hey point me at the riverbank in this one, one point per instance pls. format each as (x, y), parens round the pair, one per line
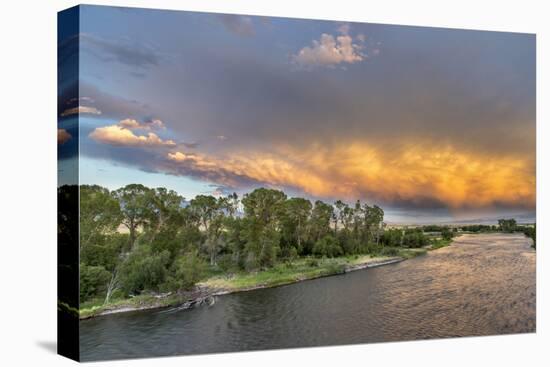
(282, 274)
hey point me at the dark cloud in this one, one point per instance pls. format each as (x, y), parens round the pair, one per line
(116, 107)
(418, 203)
(124, 52)
(439, 119)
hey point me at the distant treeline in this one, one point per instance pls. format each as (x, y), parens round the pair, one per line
(504, 225)
(138, 239)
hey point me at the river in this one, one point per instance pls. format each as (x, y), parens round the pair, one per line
(480, 285)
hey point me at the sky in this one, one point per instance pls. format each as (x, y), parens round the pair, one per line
(432, 124)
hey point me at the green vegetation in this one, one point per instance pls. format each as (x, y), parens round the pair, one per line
(479, 228)
(137, 242)
(530, 232)
(507, 225)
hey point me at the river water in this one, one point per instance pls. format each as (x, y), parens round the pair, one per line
(480, 285)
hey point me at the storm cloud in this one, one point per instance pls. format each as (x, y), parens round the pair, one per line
(412, 118)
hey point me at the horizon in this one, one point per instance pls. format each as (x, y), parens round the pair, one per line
(433, 125)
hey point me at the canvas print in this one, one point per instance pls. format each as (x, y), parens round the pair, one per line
(233, 183)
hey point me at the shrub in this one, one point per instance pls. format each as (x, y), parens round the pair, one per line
(188, 270)
(144, 270)
(93, 281)
(446, 233)
(392, 237)
(327, 246)
(414, 239)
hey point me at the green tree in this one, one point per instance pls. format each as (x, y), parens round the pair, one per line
(294, 224)
(321, 216)
(136, 204)
(204, 206)
(339, 207)
(374, 216)
(99, 214)
(446, 233)
(262, 208)
(507, 225)
(165, 211)
(212, 213)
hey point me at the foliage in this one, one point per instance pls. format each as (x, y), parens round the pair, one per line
(414, 238)
(478, 228)
(187, 270)
(327, 246)
(392, 237)
(140, 240)
(99, 214)
(531, 232)
(507, 225)
(93, 281)
(446, 233)
(144, 270)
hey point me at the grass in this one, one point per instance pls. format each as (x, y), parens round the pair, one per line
(439, 243)
(301, 269)
(409, 253)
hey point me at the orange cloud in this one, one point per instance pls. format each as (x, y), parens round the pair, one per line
(412, 175)
(121, 134)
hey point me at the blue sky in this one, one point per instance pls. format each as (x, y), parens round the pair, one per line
(429, 123)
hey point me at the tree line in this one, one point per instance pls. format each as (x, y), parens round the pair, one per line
(138, 239)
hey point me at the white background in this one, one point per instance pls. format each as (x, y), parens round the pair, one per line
(28, 182)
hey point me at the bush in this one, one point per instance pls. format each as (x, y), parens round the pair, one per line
(144, 270)
(188, 270)
(93, 281)
(446, 233)
(327, 246)
(392, 237)
(414, 239)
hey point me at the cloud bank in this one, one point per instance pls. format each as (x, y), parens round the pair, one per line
(430, 177)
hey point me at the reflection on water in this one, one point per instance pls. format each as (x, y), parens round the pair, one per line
(481, 285)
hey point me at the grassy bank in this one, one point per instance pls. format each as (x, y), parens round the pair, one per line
(298, 270)
(302, 269)
(281, 274)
